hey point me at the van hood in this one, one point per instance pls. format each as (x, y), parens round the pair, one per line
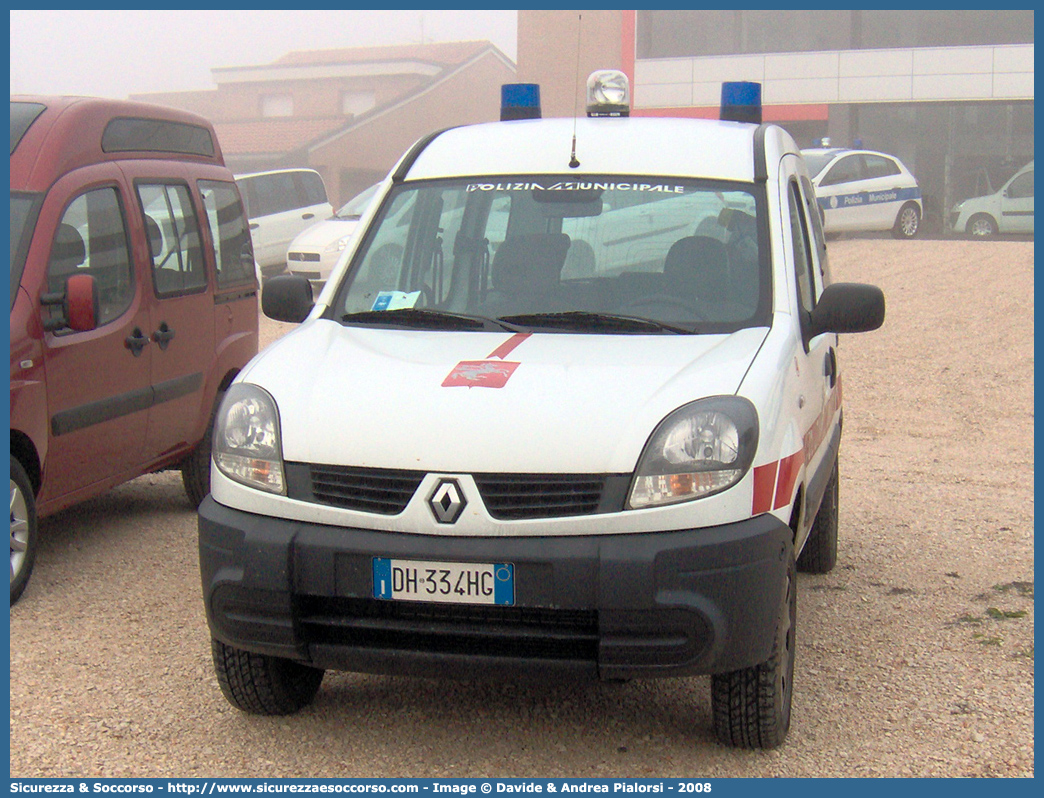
(482, 402)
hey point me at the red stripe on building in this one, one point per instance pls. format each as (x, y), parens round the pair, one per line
(764, 487)
(628, 31)
(769, 113)
(788, 471)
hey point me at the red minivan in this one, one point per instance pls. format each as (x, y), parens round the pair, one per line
(133, 301)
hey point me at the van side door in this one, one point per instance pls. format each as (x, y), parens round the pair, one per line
(181, 327)
(98, 381)
(818, 400)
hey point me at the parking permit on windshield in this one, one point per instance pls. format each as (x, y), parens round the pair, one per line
(395, 300)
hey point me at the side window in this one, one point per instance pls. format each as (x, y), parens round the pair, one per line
(844, 170)
(276, 193)
(92, 239)
(311, 188)
(233, 252)
(248, 192)
(174, 242)
(815, 216)
(1021, 187)
(802, 254)
(876, 166)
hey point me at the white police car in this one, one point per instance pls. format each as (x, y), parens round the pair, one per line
(586, 423)
(865, 191)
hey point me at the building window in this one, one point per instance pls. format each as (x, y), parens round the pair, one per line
(277, 105)
(354, 103)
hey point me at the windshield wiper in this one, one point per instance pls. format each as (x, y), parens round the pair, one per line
(428, 319)
(579, 320)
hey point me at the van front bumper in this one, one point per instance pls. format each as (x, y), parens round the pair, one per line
(614, 606)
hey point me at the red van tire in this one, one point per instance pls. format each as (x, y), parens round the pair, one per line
(23, 529)
(195, 469)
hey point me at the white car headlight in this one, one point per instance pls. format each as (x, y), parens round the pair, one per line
(700, 449)
(339, 244)
(246, 439)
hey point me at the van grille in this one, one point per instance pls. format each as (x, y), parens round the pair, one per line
(516, 496)
(517, 632)
(507, 497)
(368, 490)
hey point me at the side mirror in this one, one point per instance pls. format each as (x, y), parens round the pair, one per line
(78, 304)
(287, 297)
(81, 302)
(848, 308)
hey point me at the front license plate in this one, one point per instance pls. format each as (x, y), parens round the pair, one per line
(444, 582)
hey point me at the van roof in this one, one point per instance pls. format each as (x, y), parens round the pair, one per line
(604, 146)
(72, 132)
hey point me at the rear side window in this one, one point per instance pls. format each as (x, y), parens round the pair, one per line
(92, 239)
(233, 251)
(876, 166)
(174, 243)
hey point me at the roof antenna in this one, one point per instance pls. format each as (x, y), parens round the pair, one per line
(573, 162)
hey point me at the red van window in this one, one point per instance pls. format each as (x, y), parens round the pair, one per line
(173, 233)
(92, 239)
(233, 250)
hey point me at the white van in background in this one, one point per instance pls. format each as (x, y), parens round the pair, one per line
(315, 251)
(1010, 210)
(280, 204)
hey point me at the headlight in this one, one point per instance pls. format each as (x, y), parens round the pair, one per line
(339, 244)
(246, 439)
(700, 449)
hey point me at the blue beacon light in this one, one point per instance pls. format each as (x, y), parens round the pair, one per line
(741, 102)
(519, 101)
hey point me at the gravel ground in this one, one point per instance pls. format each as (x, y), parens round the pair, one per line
(915, 656)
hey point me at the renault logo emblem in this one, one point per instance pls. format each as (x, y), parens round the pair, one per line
(447, 501)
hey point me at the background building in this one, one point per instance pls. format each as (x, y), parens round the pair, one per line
(347, 113)
(949, 92)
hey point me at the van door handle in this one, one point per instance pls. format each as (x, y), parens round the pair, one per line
(308, 216)
(136, 341)
(830, 367)
(163, 335)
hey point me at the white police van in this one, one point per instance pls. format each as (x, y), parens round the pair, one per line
(583, 420)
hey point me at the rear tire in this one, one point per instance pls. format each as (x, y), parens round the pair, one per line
(907, 221)
(23, 529)
(820, 553)
(751, 706)
(263, 685)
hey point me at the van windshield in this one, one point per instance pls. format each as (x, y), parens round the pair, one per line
(550, 252)
(23, 218)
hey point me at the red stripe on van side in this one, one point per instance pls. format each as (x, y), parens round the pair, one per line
(788, 471)
(764, 487)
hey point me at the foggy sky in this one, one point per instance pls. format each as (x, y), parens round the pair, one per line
(118, 53)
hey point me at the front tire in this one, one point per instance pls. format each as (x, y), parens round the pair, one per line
(263, 685)
(751, 706)
(195, 469)
(23, 529)
(981, 226)
(819, 556)
(907, 221)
